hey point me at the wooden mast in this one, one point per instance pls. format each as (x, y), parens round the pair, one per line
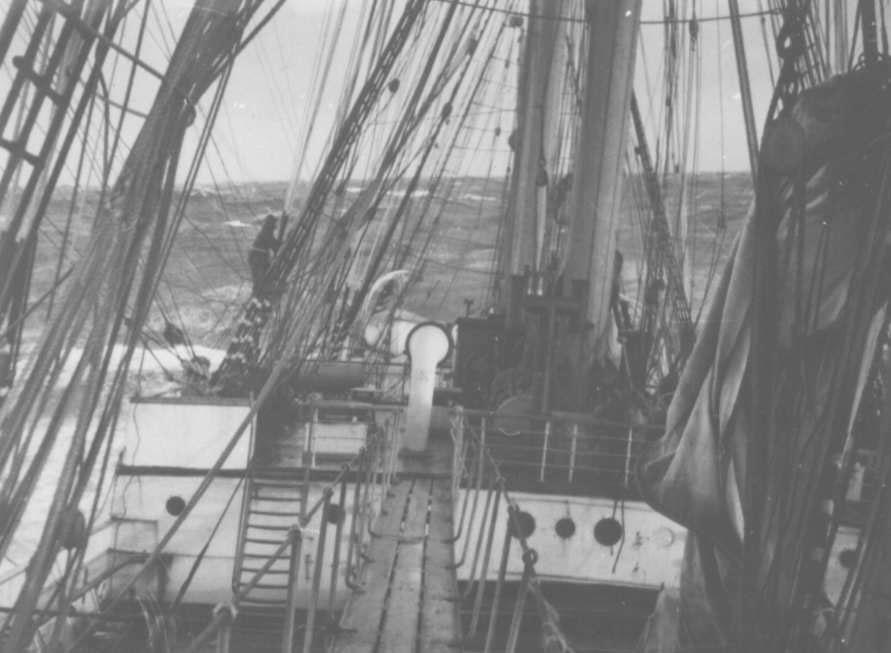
(520, 240)
(745, 88)
(596, 193)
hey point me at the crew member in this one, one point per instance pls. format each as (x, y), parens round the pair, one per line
(261, 254)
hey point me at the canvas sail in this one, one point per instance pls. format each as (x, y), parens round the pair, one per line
(821, 214)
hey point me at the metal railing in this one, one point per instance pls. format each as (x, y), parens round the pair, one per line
(562, 452)
(369, 473)
(481, 468)
(475, 472)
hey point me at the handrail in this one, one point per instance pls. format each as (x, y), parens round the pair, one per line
(562, 456)
(553, 637)
(224, 613)
(560, 416)
(373, 463)
(370, 465)
(343, 404)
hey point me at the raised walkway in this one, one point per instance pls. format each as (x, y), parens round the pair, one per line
(406, 600)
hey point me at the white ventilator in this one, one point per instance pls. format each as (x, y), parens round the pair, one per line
(428, 344)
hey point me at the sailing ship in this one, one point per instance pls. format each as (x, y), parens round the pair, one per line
(260, 501)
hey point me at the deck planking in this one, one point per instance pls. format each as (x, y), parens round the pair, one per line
(439, 610)
(399, 628)
(363, 612)
(407, 598)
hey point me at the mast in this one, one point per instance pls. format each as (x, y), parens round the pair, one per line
(521, 242)
(870, 33)
(596, 195)
(745, 89)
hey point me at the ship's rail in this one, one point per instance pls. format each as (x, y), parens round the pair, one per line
(470, 471)
(368, 474)
(561, 452)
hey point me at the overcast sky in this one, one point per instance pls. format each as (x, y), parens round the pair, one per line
(267, 103)
(269, 90)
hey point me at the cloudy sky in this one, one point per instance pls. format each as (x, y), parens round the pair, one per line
(270, 88)
(267, 106)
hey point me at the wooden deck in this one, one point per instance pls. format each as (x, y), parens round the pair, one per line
(407, 599)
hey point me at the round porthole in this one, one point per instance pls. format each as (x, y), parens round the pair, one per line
(847, 558)
(565, 528)
(524, 523)
(608, 531)
(175, 506)
(334, 513)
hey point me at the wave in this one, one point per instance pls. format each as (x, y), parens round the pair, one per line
(478, 198)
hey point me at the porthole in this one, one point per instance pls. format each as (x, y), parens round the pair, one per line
(175, 506)
(608, 531)
(524, 523)
(565, 528)
(334, 513)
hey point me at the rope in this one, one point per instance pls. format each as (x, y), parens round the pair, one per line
(553, 637)
(241, 354)
(106, 279)
(184, 587)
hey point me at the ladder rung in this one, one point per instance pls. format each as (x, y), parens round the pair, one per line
(265, 586)
(271, 527)
(258, 540)
(277, 482)
(257, 611)
(272, 513)
(264, 601)
(259, 619)
(258, 497)
(254, 570)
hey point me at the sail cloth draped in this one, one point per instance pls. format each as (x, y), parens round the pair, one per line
(820, 212)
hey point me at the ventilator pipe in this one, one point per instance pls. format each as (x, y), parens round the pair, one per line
(427, 345)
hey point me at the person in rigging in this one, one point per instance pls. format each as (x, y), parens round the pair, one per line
(262, 251)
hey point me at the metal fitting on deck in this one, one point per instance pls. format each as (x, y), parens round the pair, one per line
(230, 608)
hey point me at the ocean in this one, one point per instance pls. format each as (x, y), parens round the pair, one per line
(207, 279)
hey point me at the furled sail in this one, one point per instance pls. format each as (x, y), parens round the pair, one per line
(814, 240)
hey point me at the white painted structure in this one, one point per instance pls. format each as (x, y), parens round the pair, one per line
(140, 509)
(428, 345)
(188, 433)
(648, 556)
(169, 443)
